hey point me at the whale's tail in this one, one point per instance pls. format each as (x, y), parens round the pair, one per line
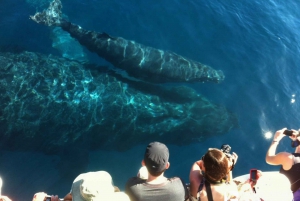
(52, 16)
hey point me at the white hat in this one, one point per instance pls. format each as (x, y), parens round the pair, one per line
(95, 186)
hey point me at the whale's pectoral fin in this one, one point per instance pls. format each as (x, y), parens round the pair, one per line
(52, 16)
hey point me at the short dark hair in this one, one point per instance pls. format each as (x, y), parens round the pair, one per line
(216, 165)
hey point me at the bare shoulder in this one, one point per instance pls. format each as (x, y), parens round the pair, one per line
(282, 158)
(285, 159)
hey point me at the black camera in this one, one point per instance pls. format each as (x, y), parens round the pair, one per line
(225, 148)
(290, 133)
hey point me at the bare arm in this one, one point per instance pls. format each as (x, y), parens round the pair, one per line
(195, 178)
(68, 197)
(232, 162)
(282, 158)
(4, 198)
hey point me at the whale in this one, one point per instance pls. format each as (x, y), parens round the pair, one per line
(139, 61)
(49, 102)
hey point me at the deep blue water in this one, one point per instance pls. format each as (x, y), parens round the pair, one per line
(255, 43)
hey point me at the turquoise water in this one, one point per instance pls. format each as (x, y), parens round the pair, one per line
(255, 44)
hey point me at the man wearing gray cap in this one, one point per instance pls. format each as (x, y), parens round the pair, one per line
(156, 186)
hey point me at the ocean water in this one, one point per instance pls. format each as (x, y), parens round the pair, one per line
(255, 43)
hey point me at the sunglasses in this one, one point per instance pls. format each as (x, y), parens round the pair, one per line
(295, 143)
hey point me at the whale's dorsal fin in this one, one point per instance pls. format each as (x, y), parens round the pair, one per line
(106, 35)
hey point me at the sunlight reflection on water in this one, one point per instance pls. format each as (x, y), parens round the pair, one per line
(268, 135)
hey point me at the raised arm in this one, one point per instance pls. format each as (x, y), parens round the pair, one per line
(4, 198)
(68, 197)
(283, 158)
(232, 162)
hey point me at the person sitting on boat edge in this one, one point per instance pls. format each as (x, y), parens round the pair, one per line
(156, 186)
(211, 177)
(290, 162)
(89, 186)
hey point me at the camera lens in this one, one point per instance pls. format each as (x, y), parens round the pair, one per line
(226, 148)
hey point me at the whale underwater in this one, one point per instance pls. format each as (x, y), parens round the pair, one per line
(49, 102)
(139, 61)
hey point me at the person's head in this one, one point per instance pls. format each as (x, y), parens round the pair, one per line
(216, 165)
(156, 158)
(95, 186)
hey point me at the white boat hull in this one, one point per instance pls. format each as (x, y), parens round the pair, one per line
(271, 186)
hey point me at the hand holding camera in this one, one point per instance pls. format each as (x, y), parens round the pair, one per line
(225, 148)
(291, 133)
(284, 132)
(254, 176)
(41, 196)
(52, 198)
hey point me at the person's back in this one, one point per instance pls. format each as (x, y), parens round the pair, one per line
(211, 178)
(293, 173)
(89, 186)
(289, 161)
(220, 192)
(156, 186)
(171, 189)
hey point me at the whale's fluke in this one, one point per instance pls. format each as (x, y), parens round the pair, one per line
(52, 16)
